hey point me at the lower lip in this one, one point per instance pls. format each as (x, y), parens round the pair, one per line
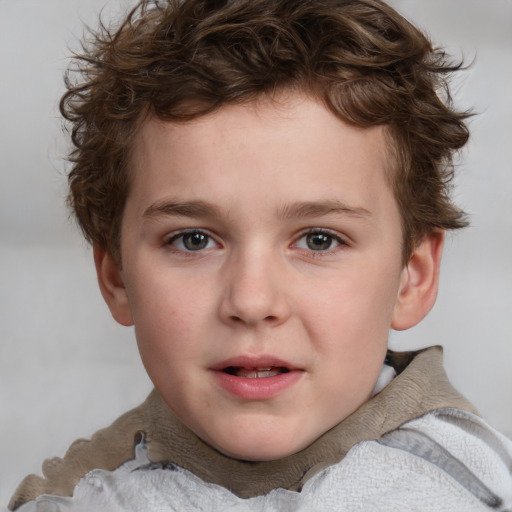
(258, 388)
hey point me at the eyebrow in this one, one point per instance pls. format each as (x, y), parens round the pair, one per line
(193, 209)
(321, 208)
(307, 209)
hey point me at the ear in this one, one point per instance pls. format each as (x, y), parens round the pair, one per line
(419, 282)
(110, 280)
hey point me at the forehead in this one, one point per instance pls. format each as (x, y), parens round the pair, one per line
(292, 146)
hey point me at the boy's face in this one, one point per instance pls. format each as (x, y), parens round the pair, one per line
(261, 250)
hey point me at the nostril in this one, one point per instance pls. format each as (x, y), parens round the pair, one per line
(269, 318)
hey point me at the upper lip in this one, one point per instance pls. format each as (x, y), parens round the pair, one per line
(254, 362)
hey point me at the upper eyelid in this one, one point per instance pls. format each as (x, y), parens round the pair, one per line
(180, 232)
(331, 232)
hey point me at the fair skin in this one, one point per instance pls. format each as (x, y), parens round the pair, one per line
(262, 269)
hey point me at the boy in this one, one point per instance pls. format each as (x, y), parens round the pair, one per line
(265, 186)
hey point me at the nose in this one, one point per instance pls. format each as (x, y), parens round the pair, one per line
(254, 291)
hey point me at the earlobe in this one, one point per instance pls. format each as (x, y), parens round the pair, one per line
(112, 287)
(419, 282)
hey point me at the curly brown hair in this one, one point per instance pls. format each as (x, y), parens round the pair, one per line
(179, 59)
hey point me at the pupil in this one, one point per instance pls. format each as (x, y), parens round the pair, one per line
(318, 241)
(195, 241)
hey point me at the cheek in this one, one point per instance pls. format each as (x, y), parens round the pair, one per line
(352, 309)
(171, 314)
(156, 292)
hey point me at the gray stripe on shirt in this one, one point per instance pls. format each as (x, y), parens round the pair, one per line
(460, 419)
(419, 444)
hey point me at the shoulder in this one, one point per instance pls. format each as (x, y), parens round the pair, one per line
(446, 460)
(107, 449)
(452, 451)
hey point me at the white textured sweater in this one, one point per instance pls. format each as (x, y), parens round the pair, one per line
(447, 460)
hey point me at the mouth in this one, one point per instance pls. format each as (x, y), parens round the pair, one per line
(255, 373)
(256, 378)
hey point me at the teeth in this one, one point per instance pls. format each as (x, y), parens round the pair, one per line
(255, 373)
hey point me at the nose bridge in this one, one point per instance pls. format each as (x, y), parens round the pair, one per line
(254, 288)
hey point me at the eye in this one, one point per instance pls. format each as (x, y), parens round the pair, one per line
(192, 241)
(319, 240)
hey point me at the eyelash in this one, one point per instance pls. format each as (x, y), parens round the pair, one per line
(333, 236)
(170, 241)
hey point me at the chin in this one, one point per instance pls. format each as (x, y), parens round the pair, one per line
(253, 450)
(258, 437)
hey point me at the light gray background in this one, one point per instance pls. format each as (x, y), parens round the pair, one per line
(66, 369)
